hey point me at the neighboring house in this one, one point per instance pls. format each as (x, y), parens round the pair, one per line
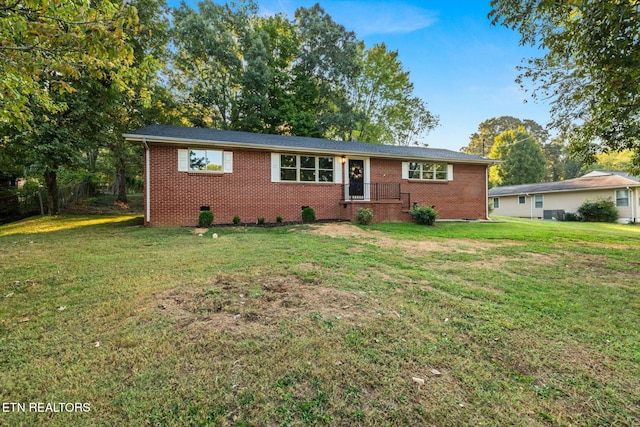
(551, 200)
(258, 175)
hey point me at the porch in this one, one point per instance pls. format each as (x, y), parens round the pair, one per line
(385, 199)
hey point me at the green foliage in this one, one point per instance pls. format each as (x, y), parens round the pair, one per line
(68, 95)
(236, 219)
(560, 165)
(424, 215)
(307, 76)
(85, 131)
(481, 142)
(589, 70)
(278, 219)
(260, 220)
(383, 95)
(620, 161)
(522, 156)
(205, 219)
(600, 210)
(571, 216)
(308, 214)
(209, 61)
(327, 65)
(364, 216)
(46, 46)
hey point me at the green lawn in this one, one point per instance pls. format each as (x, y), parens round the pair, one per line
(510, 323)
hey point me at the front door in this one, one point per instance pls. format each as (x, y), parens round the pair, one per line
(356, 179)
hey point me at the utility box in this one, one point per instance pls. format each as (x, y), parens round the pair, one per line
(554, 214)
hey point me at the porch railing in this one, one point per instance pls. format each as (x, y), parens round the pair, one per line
(373, 191)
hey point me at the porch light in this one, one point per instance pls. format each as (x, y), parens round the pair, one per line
(344, 160)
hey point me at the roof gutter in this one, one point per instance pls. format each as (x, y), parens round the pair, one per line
(527, 193)
(267, 147)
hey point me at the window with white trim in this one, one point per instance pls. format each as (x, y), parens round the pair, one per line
(496, 202)
(622, 198)
(205, 160)
(297, 168)
(288, 168)
(539, 201)
(522, 200)
(428, 171)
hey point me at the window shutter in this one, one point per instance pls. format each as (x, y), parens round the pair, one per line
(227, 162)
(337, 170)
(405, 170)
(450, 172)
(275, 167)
(183, 160)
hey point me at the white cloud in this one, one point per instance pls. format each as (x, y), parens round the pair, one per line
(380, 17)
(363, 17)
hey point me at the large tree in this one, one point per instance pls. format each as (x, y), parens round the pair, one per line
(480, 142)
(327, 65)
(65, 39)
(383, 95)
(58, 140)
(590, 69)
(208, 60)
(523, 160)
(560, 165)
(307, 76)
(146, 100)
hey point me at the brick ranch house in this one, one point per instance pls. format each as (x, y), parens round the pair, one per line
(251, 175)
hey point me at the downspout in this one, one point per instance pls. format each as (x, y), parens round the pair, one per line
(147, 166)
(486, 192)
(633, 204)
(530, 205)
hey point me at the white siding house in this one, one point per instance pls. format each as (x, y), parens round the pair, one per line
(550, 200)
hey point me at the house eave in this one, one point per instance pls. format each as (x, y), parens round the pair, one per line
(570, 190)
(137, 138)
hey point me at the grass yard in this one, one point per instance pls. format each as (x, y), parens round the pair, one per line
(511, 323)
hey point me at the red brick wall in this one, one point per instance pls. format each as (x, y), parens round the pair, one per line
(383, 211)
(462, 198)
(176, 197)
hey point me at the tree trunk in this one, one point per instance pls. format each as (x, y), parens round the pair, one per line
(121, 182)
(51, 181)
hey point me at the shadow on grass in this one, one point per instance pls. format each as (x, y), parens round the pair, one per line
(47, 224)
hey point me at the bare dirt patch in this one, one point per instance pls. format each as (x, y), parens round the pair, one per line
(237, 303)
(378, 238)
(343, 230)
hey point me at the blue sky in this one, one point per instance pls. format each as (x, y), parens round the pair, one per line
(461, 65)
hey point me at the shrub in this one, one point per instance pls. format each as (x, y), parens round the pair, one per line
(261, 220)
(205, 219)
(364, 216)
(236, 220)
(308, 214)
(424, 215)
(600, 210)
(278, 219)
(570, 216)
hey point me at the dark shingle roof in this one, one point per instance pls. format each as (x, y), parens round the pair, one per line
(179, 134)
(587, 182)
